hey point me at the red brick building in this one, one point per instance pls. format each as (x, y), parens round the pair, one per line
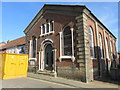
(71, 42)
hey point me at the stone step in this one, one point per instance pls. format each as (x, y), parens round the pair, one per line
(46, 72)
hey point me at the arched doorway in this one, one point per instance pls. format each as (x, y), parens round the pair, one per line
(48, 57)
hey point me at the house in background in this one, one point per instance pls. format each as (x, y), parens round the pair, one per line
(71, 42)
(2, 50)
(15, 46)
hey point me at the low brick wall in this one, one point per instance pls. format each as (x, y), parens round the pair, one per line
(70, 73)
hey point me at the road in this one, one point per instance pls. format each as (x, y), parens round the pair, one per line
(43, 81)
(31, 83)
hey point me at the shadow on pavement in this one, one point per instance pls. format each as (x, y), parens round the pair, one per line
(108, 80)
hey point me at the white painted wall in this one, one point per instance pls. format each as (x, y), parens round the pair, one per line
(16, 49)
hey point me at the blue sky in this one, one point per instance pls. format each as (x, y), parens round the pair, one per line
(17, 15)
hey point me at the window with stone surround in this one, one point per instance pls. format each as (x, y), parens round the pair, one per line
(51, 25)
(111, 49)
(91, 41)
(67, 42)
(43, 29)
(33, 47)
(101, 46)
(47, 28)
(106, 44)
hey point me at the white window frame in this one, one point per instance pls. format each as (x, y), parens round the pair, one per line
(92, 36)
(53, 27)
(111, 49)
(41, 27)
(35, 46)
(48, 26)
(63, 45)
(45, 28)
(49, 32)
(106, 45)
(101, 45)
(62, 56)
(42, 30)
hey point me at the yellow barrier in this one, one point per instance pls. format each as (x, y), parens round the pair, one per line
(13, 65)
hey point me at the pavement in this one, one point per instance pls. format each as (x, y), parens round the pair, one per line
(44, 81)
(72, 83)
(31, 83)
(0, 84)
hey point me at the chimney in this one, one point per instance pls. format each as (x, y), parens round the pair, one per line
(8, 41)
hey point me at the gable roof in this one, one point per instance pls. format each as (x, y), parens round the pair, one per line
(58, 7)
(16, 42)
(53, 7)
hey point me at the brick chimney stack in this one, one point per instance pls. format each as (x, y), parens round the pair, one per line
(8, 41)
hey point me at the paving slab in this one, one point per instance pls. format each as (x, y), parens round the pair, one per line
(74, 83)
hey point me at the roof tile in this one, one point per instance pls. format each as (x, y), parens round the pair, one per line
(16, 42)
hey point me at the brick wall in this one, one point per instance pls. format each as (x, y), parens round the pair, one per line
(60, 22)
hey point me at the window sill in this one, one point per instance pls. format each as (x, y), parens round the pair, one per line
(102, 58)
(31, 59)
(52, 32)
(42, 35)
(66, 57)
(94, 58)
(47, 33)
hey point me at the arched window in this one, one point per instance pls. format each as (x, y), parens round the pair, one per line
(67, 42)
(106, 44)
(43, 29)
(33, 47)
(91, 41)
(47, 26)
(101, 43)
(111, 51)
(51, 25)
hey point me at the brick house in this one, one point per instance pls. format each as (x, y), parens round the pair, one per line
(14, 46)
(71, 42)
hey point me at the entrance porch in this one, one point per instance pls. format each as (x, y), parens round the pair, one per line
(47, 58)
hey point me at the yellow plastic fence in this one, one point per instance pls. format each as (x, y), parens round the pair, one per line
(13, 65)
